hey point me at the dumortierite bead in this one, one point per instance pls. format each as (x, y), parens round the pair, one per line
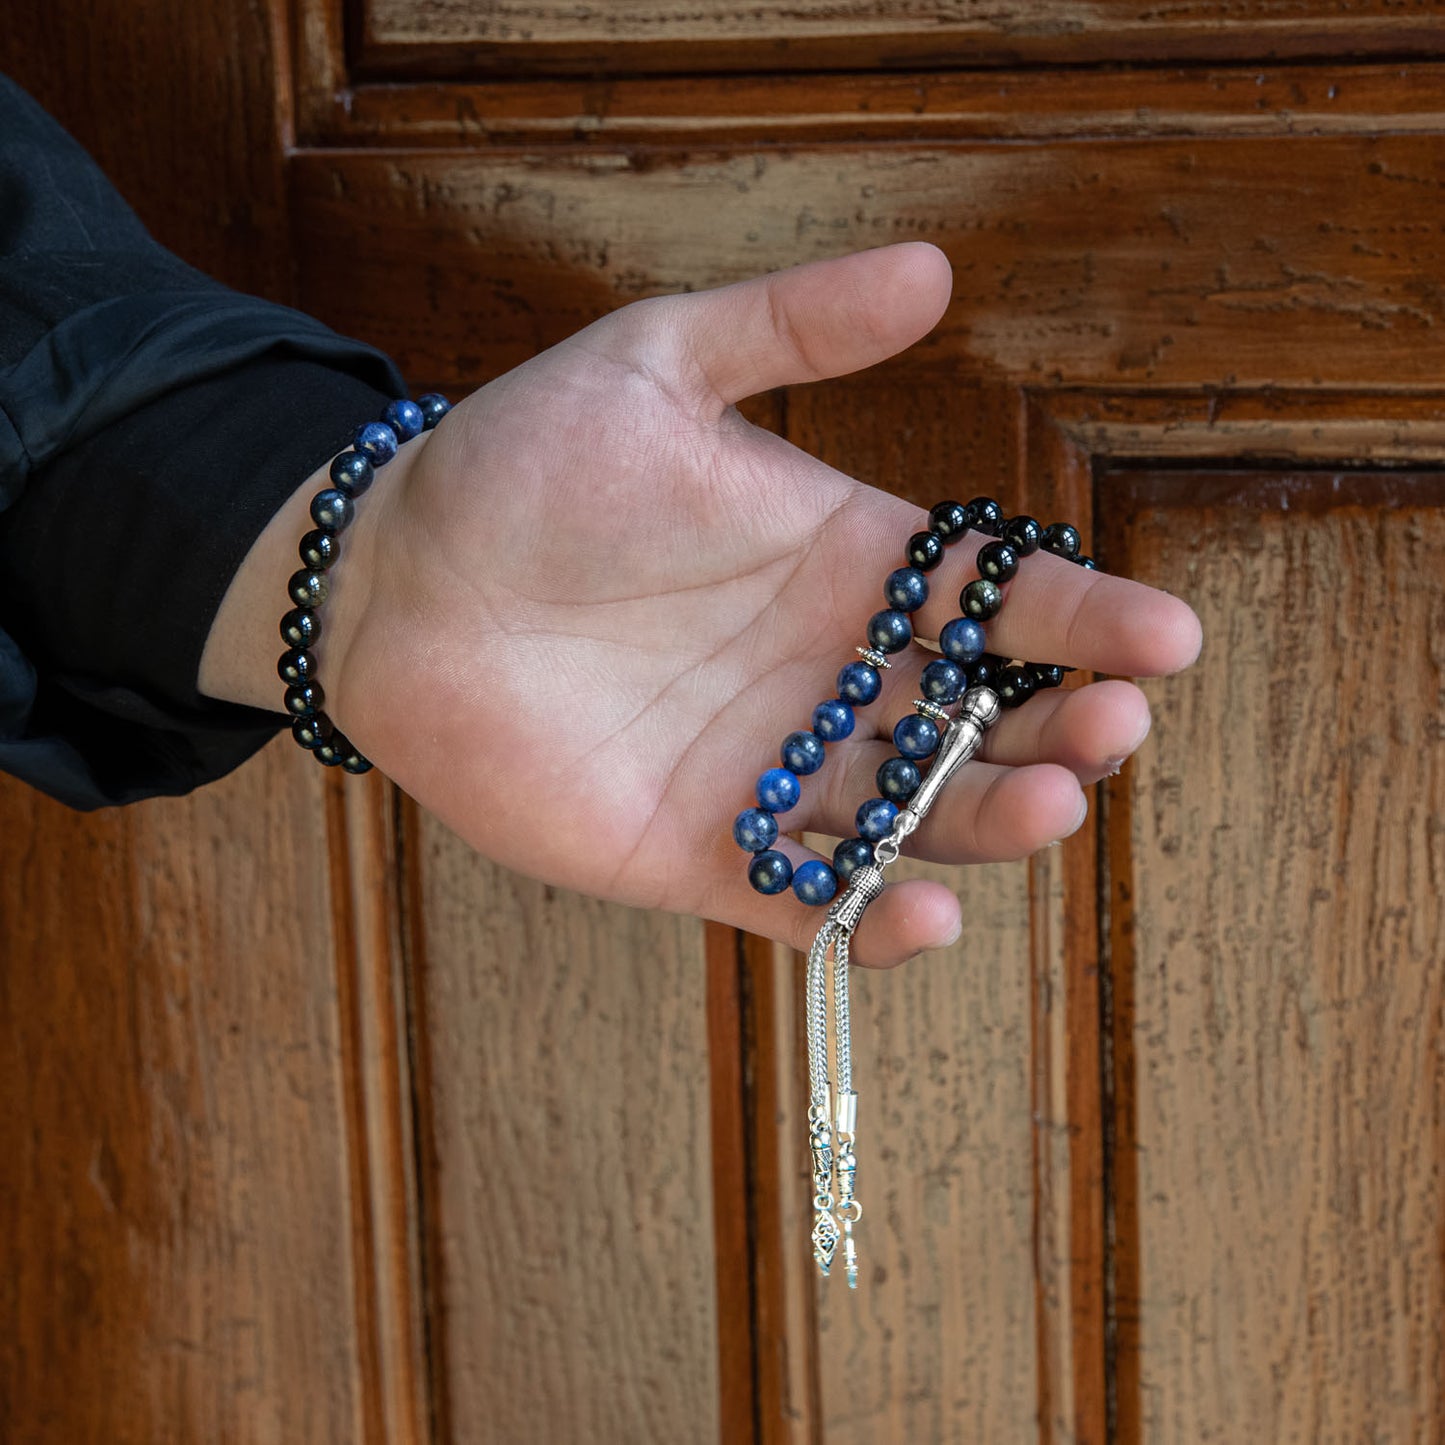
(889, 630)
(376, 442)
(925, 551)
(981, 599)
(802, 753)
(815, 882)
(755, 830)
(434, 407)
(779, 790)
(874, 820)
(833, 720)
(332, 511)
(962, 640)
(985, 515)
(295, 666)
(1022, 533)
(898, 780)
(906, 589)
(305, 699)
(915, 736)
(998, 562)
(319, 550)
(351, 473)
(1015, 686)
(405, 419)
(850, 855)
(308, 588)
(1046, 674)
(942, 681)
(312, 731)
(1060, 539)
(1088, 563)
(770, 872)
(859, 683)
(948, 520)
(300, 628)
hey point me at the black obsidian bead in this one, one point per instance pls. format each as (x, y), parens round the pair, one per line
(1046, 674)
(319, 550)
(1060, 539)
(300, 628)
(925, 551)
(898, 780)
(305, 699)
(1088, 563)
(296, 666)
(312, 731)
(850, 855)
(984, 672)
(1015, 686)
(981, 599)
(351, 473)
(353, 762)
(334, 751)
(986, 514)
(998, 562)
(308, 587)
(948, 520)
(434, 406)
(332, 511)
(1023, 534)
(889, 630)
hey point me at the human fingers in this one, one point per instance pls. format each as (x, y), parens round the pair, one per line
(823, 319)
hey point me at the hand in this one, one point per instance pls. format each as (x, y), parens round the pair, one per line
(576, 621)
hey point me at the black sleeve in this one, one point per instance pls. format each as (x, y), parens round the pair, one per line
(151, 423)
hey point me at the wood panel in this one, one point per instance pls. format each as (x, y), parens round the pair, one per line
(1159, 263)
(1277, 936)
(564, 1106)
(461, 37)
(178, 1252)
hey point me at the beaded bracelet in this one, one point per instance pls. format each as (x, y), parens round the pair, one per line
(987, 683)
(332, 510)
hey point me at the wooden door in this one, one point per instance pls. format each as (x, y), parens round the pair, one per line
(420, 1150)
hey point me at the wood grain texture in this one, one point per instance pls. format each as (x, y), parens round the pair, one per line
(176, 1251)
(1229, 263)
(871, 105)
(1276, 941)
(460, 37)
(564, 1117)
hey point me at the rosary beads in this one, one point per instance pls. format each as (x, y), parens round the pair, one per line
(982, 683)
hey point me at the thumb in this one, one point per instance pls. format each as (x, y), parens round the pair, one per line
(815, 321)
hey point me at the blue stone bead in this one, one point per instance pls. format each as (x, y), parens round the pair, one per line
(802, 753)
(351, 473)
(889, 630)
(779, 790)
(942, 681)
(850, 855)
(906, 589)
(833, 720)
(755, 829)
(770, 872)
(962, 640)
(875, 819)
(915, 736)
(898, 780)
(859, 683)
(405, 419)
(376, 442)
(815, 882)
(434, 406)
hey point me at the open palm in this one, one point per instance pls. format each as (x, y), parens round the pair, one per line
(605, 598)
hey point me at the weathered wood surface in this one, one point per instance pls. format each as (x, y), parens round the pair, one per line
(460, 37)
(564, 1107)
(1277, 964)
(1231, 263)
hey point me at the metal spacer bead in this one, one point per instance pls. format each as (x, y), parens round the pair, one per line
(871, 654)
(931, 710)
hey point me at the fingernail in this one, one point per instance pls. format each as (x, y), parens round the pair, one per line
(1083, 814)
(955, 935)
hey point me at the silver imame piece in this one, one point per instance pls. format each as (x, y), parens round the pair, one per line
(979, 712)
